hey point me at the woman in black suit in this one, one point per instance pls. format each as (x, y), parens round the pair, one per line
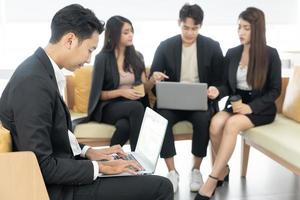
(254, 73)
(118, 67)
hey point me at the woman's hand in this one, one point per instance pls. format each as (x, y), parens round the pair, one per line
(131, 94)
(119, 166)
(212, 92)
(243, 109)
(158, 76)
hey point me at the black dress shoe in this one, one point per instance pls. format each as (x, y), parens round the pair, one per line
(226, 178)
(201, 197)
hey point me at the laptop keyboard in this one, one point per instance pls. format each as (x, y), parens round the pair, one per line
(128, 157)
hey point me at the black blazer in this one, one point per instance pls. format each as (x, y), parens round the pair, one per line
(263, 101)
(167, 59)
(105, 77)
(33, 110)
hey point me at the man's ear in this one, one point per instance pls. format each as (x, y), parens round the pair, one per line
(68, 40)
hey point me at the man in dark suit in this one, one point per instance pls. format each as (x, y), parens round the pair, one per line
(189, 57)
(32, 108)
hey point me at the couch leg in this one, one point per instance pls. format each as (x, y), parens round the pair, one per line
(244, 157)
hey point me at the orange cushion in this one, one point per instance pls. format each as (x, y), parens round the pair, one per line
(82, 84)
(5, 140)
(291, 104)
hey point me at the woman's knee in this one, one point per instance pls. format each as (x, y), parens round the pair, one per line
(136, 107)
(216, 125)
(232, 126)
(237, 123)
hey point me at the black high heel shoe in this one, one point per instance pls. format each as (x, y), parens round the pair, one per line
(201, 197)
(226, 178)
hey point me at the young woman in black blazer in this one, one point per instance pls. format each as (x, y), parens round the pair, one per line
(118, 67)
(254, 73)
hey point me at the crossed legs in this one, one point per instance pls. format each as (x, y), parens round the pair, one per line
(128, 117)
(224, 129)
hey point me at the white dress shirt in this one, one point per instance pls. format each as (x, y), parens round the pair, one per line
(241, 78)
(61, 82)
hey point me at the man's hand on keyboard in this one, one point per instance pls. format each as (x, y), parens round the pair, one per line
(116, 149)
(105, 154)
(119, 166)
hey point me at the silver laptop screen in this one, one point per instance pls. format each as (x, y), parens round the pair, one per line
(151, 136)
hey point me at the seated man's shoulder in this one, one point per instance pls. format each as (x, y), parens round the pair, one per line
(208, 41)
(28, 74)
(171, 41)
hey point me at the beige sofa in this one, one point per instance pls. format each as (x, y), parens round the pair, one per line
(94, 133)
(21, 177)
(279, 140)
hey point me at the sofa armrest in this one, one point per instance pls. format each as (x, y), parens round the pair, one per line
(280, 99)
(21, 177)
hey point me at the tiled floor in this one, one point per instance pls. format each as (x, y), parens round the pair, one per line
(266, 180)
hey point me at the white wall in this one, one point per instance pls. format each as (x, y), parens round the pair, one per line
(25, 25)
(216, 11)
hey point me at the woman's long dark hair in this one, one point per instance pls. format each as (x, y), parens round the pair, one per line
(133, 60)
(258, 58)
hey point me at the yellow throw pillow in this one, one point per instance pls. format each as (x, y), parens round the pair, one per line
(5, 140)
(291, 104)
(82, 84)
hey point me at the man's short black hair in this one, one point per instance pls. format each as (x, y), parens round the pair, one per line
(193, 11)
(76, 19)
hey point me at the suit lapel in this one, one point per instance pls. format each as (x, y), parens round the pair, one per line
(41, 54)
(66, 111)
(115, 71)
(177, 56)
(200, 59)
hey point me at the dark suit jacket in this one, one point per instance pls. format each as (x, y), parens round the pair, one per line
(105, 77)
(33, 110)
(263, 101)
(167, 59)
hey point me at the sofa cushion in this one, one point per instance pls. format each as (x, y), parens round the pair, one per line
(102, 130)
(94, 130)
(82, 84)
(5, 140)
(291, 104)
(76, 115)
(183, 127)
(280, 137)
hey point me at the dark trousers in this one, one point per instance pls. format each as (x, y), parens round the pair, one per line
(127, 116)
(126, 188)
(200, 121)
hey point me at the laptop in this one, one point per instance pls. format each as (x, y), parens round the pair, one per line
(149, 143)
(181, 95)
